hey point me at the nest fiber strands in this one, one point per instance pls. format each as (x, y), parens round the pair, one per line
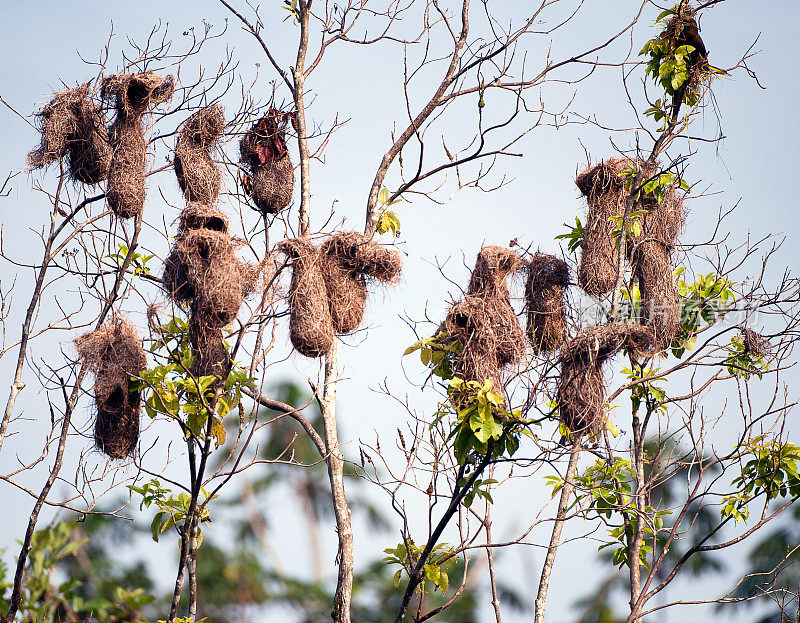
(548, 276)
(488, 282)
(198, 176)
(581, 387)
(72, 123)
(211, 357)
(203, 268)
(348, 259)
(263, 151)
(114, 354)
(133, 95)
(200, 216)
(310, 325)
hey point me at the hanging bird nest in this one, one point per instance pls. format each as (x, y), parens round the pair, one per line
(754, 342)
(114, 354)
(211, 357)
(660, 302)
(348, 260)
(548, 276)
(581, 387)
(200, 216)
(310, 325)
(488, 281)
(133, 95)
(71, 123)
(199, 178)
(202, 267)
(263, 153)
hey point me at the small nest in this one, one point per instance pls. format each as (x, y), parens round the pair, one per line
(72, 123)
(199, 178)
(581, 388)
(755, 343)
(310, 326)
(133, 95)
(349, 258)
(211, 357)
(114, 354)
(201, 216)
(263, 152)
(488, 281)
(548, 276)
(203, 268)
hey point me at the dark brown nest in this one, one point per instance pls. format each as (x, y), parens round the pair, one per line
(211, 357)
(200, 216)
(263, 152)
(198, 176)
(310, 325)
(581, 388)
(114, 354)
(754, 342)
(72, 123)
(488, 281)
(548, 276)
(203, 268)
(133, 95)
(349, 258)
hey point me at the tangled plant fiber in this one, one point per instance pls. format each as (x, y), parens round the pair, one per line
(263, 152)
(133, 95)
(114, 354)
(348, 260)
(71, 123)
(548, 276)
(581, 388)
(198, 176)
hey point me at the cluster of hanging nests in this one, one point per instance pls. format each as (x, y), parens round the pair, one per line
(73, 124)
(328, 291)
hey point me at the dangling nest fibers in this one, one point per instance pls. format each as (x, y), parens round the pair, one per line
(201, 216)
(548, 276)
(203, 268)
(349, 258)
(263, 152)
(211, 357)
(755, 343)
(581, 389)
(72, 123)
(133, 95)
(114, 354)
(310, 325)
(488, 281)
(198, 176)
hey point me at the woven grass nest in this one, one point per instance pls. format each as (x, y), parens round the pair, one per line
(198, 177)
(73, 124)
(483, 325)
(263, 153)
(133, 95)
(114, 354)
(548, 277)
(581, 388)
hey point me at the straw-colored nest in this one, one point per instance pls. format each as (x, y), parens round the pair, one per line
(310, 325)
(548, 276)
(200, 216)
(211, 357)
(198, 177)
(263, 152)
(114, 354)
(71, 123)
(581, 387)
(133, 95)
(348, 260)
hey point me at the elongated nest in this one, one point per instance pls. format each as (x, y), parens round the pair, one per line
(71, 123)
(548, 277)
(200, 216)
(581, 387)
(114, 354)
(310, 325)
(263, 152)
(348, 260)
(203, 268)
(660, 301)
(198, 176)
(133, 95)
(211, 357)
